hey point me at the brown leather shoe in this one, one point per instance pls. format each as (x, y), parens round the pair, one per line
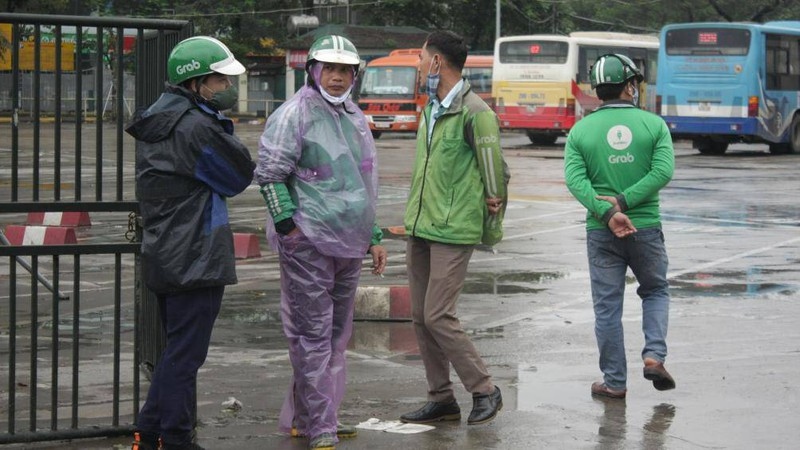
(602, 390)
(655, 372)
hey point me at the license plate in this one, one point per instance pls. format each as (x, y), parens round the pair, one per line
(704, 106)
(382, 125)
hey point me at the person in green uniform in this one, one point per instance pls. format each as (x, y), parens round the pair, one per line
(457, 200)
(616, 161)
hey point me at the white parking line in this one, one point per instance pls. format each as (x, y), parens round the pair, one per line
(731, 258)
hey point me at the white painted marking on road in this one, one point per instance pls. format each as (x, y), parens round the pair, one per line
(731, 258)
(550, 230)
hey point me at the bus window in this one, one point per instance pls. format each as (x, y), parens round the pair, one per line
(652, 67)
(395, 82)
(645, 60)
(783, 63)
(535, 52)
(480, 78)
(707, 41)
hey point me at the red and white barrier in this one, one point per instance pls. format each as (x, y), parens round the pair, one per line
(383, 303)
(246, 245)
(35, 235)
(60, 219)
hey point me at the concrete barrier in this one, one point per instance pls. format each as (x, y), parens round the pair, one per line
(246, 245)
(60, 219)
(36, 235)
(383, 303)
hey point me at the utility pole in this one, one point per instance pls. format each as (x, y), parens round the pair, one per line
(497, 20)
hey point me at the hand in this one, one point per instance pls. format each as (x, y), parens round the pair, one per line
(378, 259)
(493, 205)
(621, 225)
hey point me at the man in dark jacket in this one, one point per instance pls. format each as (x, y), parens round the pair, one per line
(187, 163)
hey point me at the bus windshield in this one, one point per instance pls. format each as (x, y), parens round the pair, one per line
(389, 82)
(708, 41)
(533, 52)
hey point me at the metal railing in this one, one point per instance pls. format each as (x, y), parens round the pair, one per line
(93, 344)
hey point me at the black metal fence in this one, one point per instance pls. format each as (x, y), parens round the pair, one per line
(76, 324)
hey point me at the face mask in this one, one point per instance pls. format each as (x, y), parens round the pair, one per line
(223, 100)
(433, 81)
(635, 95)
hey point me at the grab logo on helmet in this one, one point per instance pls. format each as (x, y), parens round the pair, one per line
(188, 67)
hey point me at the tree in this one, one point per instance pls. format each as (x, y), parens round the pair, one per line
(258, 26)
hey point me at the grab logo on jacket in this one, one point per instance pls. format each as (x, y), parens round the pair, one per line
(619, 137)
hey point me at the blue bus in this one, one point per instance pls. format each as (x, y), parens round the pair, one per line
(724, 82)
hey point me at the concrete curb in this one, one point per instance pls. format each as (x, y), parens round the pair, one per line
(383, 303)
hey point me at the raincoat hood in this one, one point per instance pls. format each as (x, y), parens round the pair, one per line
(157, 122)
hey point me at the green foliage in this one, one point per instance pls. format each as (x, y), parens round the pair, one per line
(52, 6)
(259, 26)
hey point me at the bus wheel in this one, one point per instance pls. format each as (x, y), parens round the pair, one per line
(793, 146)
(542, 138)
(710, 147)
(376, 134)
(794, 135)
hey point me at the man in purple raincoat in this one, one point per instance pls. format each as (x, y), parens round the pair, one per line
(317, 172)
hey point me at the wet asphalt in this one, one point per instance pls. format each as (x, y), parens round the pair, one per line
(731, 227)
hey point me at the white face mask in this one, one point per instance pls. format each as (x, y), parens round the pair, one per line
(335, 100)
(635, 94)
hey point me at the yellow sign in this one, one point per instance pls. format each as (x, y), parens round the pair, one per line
(27, 53)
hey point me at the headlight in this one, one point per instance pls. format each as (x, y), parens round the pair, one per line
(405, 118)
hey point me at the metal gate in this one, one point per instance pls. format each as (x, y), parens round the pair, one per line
(76, 323)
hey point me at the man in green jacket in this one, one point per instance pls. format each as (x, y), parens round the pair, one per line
(457, 200)
(616, 160)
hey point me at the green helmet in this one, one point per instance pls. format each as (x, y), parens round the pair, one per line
(201, 55)
(613, 69)
(333, 49)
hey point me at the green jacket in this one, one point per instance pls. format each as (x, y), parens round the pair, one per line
(455, 174)
(619, 151)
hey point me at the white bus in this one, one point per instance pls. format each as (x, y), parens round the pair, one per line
(540, 83)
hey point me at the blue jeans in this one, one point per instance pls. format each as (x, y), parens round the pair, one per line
(609, 259)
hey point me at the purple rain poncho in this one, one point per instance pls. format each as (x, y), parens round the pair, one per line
(325, 155)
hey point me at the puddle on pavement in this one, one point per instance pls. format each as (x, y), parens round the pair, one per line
(390, 338)
(731, 215)
(754, 282)
(508, 282)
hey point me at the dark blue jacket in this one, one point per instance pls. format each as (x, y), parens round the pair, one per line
(187, 163)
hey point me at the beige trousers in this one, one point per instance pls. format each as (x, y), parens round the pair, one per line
(436, 275)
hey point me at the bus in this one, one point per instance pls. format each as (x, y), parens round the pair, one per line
(541, 82)
(478, 71)
(726, 82)
(390, 97)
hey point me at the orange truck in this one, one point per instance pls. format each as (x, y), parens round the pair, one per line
(390, 97)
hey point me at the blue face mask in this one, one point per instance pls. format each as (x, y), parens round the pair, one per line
(433, 81)
(635, 94)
